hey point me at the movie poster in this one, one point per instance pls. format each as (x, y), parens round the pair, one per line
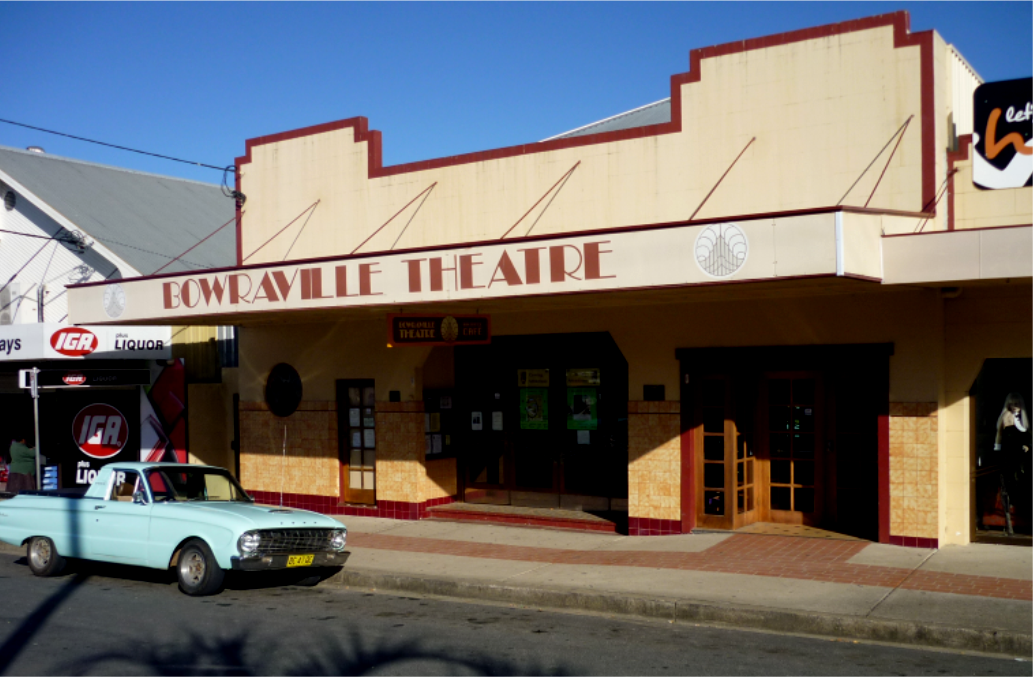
(534, 409)
(582, 410)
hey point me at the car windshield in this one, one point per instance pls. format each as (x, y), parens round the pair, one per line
(194, 484)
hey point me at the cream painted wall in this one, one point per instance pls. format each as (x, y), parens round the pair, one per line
(210, 424)
(975, 208)
(820, 111)
(323, 353)
(647, 335)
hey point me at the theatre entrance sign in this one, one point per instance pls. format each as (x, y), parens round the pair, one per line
(820, 244)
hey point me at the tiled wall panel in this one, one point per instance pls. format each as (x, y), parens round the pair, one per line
(654, 460)
(310, 463)
(914, 469)
(401, 474)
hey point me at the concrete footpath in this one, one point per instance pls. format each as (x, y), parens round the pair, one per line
(970, 598)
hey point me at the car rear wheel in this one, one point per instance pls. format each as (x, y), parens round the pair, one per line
(43, 557)
(198, 572)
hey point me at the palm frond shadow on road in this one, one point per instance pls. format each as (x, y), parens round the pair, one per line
(240, 654)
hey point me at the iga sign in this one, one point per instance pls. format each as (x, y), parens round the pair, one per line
(73, 341)
(100, 431)
(1002, 137)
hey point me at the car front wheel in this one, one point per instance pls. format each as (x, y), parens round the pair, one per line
(43, 557)
(198, 572)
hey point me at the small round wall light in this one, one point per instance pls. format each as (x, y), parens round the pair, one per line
(283, 390)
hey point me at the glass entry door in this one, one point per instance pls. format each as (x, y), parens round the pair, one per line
(794, 424)
(357, 440)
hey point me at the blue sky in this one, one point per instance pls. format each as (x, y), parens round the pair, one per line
(194, 80)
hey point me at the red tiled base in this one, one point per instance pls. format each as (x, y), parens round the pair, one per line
(646, 526)
(330, 505)
(914, 542)
(527, 521)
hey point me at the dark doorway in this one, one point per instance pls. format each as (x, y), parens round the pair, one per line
(541, 421)
(787, 435)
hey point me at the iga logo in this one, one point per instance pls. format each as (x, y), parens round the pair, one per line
(100, 430)
(73, 341)
(74, 378)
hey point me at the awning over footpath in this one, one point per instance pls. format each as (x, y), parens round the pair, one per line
(831, 243)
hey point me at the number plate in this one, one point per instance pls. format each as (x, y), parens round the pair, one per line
(300, 560)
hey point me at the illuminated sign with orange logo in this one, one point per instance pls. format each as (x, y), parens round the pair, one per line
(1003, 134)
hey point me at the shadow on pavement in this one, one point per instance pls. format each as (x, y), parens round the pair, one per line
(235, 580)
(22, 637)
(197, 654)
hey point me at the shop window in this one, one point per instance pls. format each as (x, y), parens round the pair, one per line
(1002, 448)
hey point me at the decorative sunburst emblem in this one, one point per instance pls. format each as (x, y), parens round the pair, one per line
(721, 249)
(449, 329)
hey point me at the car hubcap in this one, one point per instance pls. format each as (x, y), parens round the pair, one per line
(40, 553)
(193, 567)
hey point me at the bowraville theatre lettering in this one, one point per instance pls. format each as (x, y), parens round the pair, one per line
(510, 267)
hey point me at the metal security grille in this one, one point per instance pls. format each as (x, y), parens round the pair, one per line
(283, 541)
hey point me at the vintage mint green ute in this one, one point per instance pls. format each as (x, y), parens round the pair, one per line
(193, 518)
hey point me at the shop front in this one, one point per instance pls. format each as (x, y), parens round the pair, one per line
(101, 394)
(712, 323)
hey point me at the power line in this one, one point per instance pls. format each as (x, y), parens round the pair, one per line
(111, 145)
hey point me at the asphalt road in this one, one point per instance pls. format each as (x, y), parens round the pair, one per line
(103, 620)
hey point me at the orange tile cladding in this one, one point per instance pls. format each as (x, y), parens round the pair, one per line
(297, 454)
(914, 479)
(400, 454)
(654, 460)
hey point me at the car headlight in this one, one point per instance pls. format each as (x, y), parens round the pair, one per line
(338, 540)
(248, 543)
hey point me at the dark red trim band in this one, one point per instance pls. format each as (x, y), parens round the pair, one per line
(884, 476)
(945, 232)
(647, 526)
(330, 505)
(914, 542)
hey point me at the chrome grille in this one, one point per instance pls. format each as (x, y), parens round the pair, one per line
(284, 541)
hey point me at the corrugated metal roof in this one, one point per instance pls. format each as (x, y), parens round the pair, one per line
(650, 114)
(147, 219)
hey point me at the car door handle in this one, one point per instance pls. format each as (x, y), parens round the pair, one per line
(99, 507)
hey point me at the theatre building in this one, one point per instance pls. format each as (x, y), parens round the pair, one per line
(781, 296)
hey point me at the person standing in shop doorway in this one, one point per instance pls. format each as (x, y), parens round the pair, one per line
(23, 466)
(1013, 444)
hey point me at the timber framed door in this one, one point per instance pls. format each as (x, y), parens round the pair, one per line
(729, 492)
(792, 438)
(357, 440)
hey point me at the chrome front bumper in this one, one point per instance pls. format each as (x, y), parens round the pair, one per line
(272, 562)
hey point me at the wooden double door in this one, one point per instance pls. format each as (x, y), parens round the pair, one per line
(786, 434)
(761, 450)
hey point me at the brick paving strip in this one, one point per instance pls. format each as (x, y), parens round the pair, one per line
(775, 556)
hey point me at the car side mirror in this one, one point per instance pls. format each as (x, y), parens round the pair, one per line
(139, 498)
